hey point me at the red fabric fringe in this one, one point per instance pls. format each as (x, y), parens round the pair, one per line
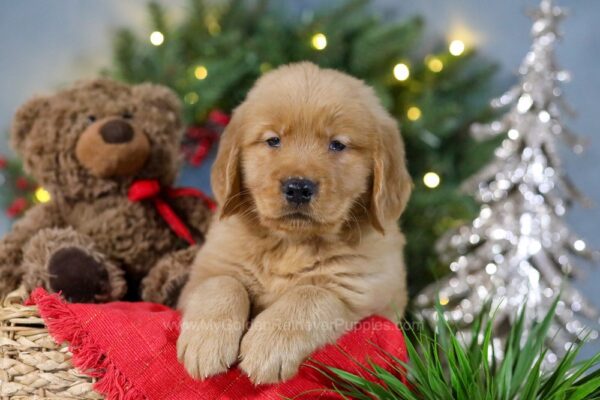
(64, 326)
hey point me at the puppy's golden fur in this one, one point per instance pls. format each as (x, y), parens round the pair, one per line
(303, 275)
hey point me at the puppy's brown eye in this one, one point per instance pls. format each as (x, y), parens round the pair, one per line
(127, 115)
(91, 118)
(274, 142)
(336, 145)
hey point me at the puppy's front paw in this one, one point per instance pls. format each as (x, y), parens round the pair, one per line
(207, 347)
(273, 353)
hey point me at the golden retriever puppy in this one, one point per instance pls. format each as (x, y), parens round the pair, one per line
(311, 180)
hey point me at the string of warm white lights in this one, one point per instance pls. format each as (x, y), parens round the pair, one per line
(318, 41)
(401, 72)
(518, 250)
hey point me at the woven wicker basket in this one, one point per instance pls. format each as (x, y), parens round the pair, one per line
(32, 366)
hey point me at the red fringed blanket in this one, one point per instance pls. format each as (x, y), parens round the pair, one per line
(130, 348)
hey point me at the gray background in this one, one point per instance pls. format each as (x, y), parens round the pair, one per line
(44, 45)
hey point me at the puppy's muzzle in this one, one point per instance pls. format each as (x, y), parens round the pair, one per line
(298, 191)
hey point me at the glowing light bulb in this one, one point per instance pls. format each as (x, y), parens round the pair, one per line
(457, 47)
(212, 24)
(544, 116)
(434, 64)
(491, 268)
(200, 72)
(413, 113)
(191, 98)
(319, 41)
(431, 180)
(524, 103)
(42, 195)
(157, 38)
(579, 245)
(401, 72)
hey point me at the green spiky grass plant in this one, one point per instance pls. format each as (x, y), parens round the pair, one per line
(441, 367)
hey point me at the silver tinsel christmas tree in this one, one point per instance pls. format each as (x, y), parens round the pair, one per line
(518, 251)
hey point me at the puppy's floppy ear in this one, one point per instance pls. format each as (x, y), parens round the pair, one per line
(226, 172)
(23, 121)
(392, 184)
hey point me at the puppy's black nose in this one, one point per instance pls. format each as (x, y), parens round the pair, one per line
(116, 131)
(298, 190)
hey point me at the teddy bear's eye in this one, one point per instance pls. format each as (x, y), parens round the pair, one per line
(91, 118)
(127, 115)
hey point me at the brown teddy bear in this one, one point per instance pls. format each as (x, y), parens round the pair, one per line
(108, 153)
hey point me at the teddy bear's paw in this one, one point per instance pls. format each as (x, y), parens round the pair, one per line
(64, 260)
(166, 279)
(206, 348)
(78, 276)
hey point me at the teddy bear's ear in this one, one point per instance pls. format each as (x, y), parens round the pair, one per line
(24, 120)
(159, 96)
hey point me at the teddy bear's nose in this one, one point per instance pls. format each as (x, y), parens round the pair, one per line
(116, 131)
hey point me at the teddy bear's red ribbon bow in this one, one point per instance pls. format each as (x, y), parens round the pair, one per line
(150, 189)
